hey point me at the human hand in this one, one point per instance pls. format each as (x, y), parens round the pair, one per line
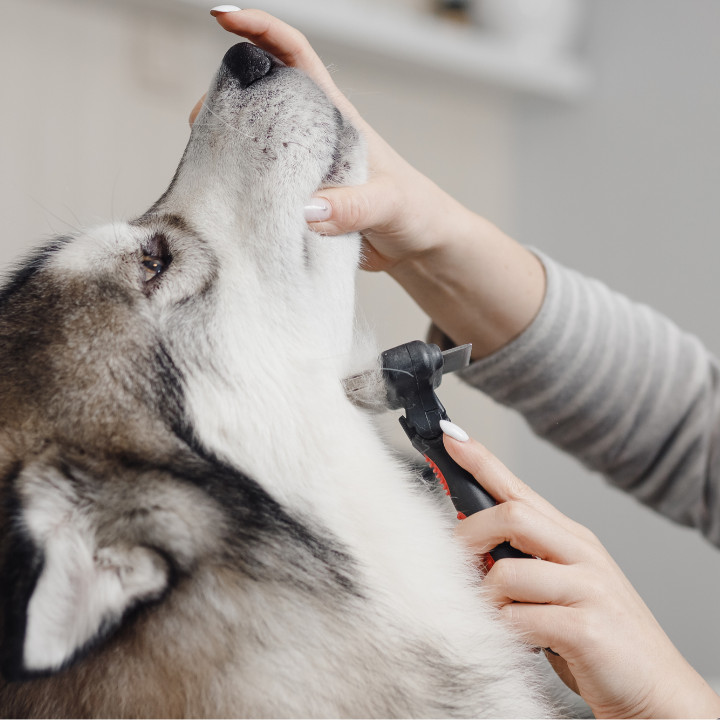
(575, 600)
(397, 209)
(476, 283)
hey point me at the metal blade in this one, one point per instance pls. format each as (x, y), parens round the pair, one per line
(456, 358)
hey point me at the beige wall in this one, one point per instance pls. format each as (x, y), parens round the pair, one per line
(95, 100)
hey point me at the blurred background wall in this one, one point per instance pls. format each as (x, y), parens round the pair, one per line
(617, 176)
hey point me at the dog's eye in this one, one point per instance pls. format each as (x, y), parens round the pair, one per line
(155, 257)
(153, 266)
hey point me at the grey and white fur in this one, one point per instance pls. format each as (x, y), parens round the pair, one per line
(195, 520)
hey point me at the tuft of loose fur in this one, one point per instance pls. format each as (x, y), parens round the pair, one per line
(367, 390)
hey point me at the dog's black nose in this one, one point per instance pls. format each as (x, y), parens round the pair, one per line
(247, 63)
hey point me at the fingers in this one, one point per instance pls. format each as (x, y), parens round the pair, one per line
(350, 209)
(531, 581)
(546, 626)
(528, 521)
(525, 528)
(286, 43)
(490, 472)
(282, 40)
(560, 666)
(196, 110)
(533, 593)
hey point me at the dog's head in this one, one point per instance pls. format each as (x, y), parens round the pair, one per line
(137, 352)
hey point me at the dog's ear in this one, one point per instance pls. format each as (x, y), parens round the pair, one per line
(63, 592)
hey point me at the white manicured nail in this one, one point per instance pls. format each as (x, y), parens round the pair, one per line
(451, 429)
(317, 210)
(225, 8)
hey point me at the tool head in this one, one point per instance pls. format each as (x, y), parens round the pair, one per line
(408, 376)
(412, 368)
(412, 372)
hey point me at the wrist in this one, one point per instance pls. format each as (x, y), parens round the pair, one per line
(440, 236)
(688, 696)
(678, 691)
(476, 283)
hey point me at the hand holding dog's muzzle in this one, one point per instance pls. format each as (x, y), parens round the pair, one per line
(397, 209)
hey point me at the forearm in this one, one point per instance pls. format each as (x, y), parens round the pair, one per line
(621, 388)
(476, 283)
(685, 694)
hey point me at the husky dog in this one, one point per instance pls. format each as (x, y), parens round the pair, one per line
(195, 519)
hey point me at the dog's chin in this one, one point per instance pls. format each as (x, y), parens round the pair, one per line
(348, 165)
(334, 176)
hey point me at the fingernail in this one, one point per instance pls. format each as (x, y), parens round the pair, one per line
(317, 210)
(451, 429)
(224, 9)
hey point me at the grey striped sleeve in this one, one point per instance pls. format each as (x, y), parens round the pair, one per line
(621, 388)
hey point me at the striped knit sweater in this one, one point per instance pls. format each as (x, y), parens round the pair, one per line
(621, 388)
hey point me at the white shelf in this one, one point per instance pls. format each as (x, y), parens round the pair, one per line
(427, 42)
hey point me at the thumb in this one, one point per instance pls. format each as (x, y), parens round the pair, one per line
(336, 211)
(502, 484)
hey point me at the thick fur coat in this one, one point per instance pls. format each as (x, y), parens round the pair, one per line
(195, 519)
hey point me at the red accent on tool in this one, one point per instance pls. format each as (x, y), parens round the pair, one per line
(439, 476)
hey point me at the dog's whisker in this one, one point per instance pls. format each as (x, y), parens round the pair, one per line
(47, 210)
(284, 142)
(75, 217)
(226, 123)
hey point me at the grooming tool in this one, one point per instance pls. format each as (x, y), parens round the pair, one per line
(411, 373)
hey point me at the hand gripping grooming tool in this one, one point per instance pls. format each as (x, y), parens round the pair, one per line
(411, 373)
